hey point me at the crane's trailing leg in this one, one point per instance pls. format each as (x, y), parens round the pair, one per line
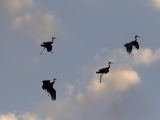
(42, 50)
(101, 77)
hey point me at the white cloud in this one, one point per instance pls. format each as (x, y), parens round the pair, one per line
(143, 56)
(101, 97)
(18, 117)
(39, 26)
(18, 5)
(109, 99)
(114, 98)
(147, 56)
(8, 117)
(117, 80)
(156, 3)
(27, 20)
(13, 7)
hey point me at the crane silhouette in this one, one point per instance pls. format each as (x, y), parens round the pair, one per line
(47, 85)
(130, 45)
(104, 70)
(48, 45)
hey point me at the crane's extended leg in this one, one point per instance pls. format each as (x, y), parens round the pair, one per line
(101, 77)
(42, 50)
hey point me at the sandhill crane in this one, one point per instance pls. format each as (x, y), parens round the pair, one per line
(130, 45)
(48, 45)
(47, 85)
(104, 70)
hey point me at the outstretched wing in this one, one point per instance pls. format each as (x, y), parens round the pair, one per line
(136, 44)
(128, 47)
(52, 92)
(102, 70)
(46, 83)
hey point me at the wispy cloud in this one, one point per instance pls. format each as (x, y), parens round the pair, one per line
(39, 26)
(27, 20)
(144, 56)
(11, 8)
(18, 117)
(147, 56)
(156, 3)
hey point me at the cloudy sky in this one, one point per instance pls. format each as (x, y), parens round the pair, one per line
(89, 33)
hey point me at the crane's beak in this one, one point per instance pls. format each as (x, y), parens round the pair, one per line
(137, 36)
(54, 79)
(53, 38)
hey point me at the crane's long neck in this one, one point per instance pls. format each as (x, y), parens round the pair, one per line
(52, 83)
(109, 65)
(52, 41)
(136, 38)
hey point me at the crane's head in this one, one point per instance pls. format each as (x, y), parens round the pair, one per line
(54, 79)
(136, 36)
(110, 63)
(53, 38)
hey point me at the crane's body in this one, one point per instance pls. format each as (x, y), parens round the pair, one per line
(47, 85)
(129, 46)
(103, 70)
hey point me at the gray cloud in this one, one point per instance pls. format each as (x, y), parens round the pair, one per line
(14, 7)
(117, 98)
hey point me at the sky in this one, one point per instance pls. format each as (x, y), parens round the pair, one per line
(89, 33)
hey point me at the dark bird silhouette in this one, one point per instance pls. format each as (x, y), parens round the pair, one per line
(47, 45)
(47, 85)
(104, 70)
(130, 45)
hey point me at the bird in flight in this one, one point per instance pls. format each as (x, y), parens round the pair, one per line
(48, 45)
(104, 70)
(130, 45)
(47, 85)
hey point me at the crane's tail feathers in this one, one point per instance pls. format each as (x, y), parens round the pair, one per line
(42, 45)
(97, 72)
